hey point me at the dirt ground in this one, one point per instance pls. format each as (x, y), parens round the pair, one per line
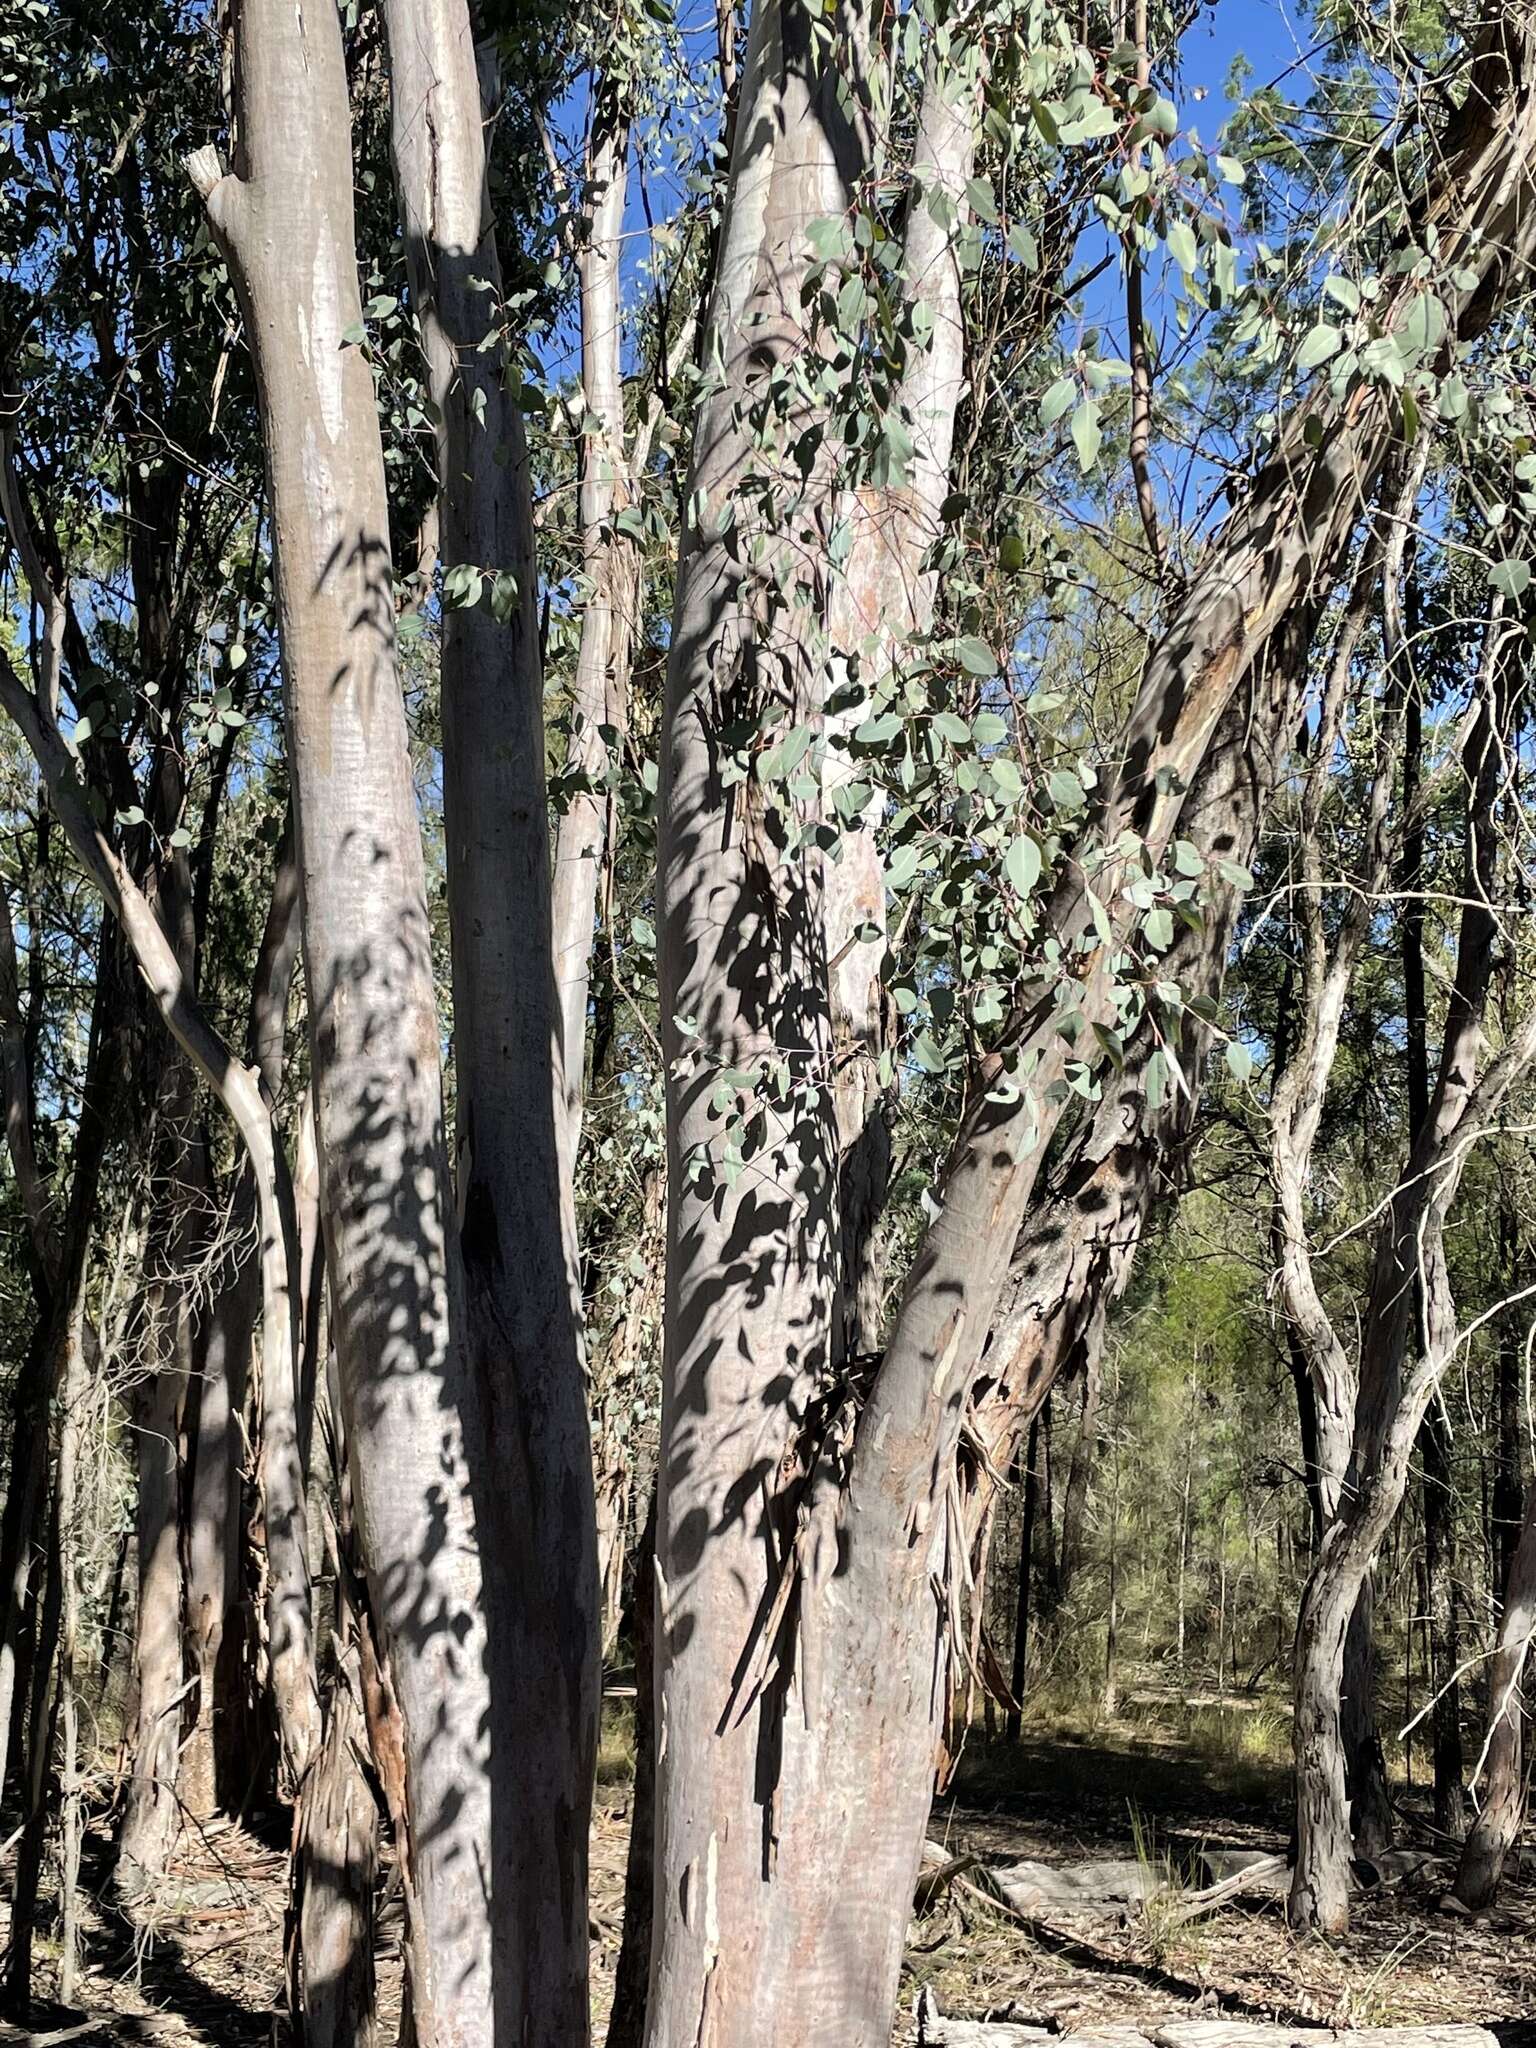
(209, 1970)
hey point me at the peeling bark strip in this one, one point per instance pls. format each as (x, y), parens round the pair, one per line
(285, 220)
(531, 1455)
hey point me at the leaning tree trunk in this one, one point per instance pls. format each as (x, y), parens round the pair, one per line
(285, 219)
(1501, 1814)
(522, 1328)
(1075, 1250)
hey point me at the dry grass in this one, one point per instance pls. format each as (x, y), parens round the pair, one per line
(209, 1976)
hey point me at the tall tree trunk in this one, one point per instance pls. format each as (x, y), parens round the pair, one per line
(600, 686)
(626, 2022)
(152, 1808)
(337, 1854)
(1080, 1470)
(285, 219)
(211, 1769)
(1438, 1495)
(336, 1849)
(42, 1727)
(1444, 1632)
(1501, 1767)
(77, 1390)
(1026, 1573)
(216, 1759)
(1409, 1264)
(881, 607)
(1508, 1484)
(515, 1192)
(750, 1257)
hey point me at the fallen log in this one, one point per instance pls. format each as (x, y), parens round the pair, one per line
(936, 2030)
(1255, 1873)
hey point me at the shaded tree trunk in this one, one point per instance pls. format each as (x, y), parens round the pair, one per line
(1444, 1632)
(626, 2022)
(1020, 1672)
(1501, 1814)
(514, 1142)
(336, 1848)
(1080, 1470)
(42, 1726)
(1508, 1483)
(151, 1809)
(1438, 1495)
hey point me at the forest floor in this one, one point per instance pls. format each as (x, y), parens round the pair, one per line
(209, 1971)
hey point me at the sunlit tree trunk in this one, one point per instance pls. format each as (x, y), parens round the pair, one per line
(284, 217)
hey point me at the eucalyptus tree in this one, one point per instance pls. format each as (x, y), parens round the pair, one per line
(125, 524)
(283, 214)
(519, 1049)
(810, 1535)
(1410, 1270)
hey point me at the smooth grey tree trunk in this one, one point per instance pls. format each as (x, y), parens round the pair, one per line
(515, 1194)
(284, 217)
(751, 1275)
(883, 604)
(600, 688)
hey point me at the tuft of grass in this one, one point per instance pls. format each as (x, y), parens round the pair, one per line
(1374, 2000)
(1170, 1939)
(616, 1744)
